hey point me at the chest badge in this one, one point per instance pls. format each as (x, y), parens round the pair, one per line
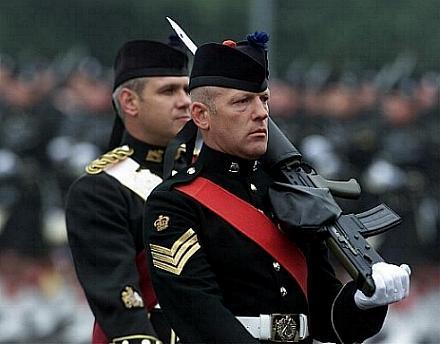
(161, 223)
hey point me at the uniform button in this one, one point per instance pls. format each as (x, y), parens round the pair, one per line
(146, 341)
(234, 168)
(276, 266)
(283, 291)
(253, 187)
(125, 341)
(255, 167)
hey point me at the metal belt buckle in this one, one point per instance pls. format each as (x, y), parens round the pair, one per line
(288, 328)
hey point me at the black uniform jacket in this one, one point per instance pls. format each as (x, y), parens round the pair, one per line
(104, 223)
(205, 272)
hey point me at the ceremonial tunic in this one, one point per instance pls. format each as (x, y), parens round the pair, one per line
(104, 224)
(206, 272)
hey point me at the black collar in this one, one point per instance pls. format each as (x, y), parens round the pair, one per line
(144, 152)
(213, 161)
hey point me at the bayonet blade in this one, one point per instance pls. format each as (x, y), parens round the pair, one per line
(183, 36)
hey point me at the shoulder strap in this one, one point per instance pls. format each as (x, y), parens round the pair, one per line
(246, 218)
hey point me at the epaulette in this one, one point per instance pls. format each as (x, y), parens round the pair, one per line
(108, 159)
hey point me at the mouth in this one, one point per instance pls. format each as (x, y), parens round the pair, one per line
(259, 132)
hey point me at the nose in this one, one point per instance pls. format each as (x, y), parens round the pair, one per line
(184, 100)
(261, 110)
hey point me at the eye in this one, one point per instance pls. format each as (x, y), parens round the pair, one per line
(264, 98)
(168, 91)
(242, 101)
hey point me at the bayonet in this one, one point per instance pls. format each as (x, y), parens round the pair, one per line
(183, 36)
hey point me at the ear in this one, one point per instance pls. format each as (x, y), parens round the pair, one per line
(129, 102)
(200, 115)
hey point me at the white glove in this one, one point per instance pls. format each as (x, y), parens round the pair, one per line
(392, 285)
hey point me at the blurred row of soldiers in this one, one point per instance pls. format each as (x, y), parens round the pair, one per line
(52, 123)
(388, 141)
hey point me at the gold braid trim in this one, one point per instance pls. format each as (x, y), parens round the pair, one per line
(107, 159)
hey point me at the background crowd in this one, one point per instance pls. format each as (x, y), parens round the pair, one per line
(376, 121)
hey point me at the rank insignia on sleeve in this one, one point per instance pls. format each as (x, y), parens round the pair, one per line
(174, 259)
(161, 223)
(131, 298)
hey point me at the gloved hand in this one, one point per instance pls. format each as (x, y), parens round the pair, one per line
(392, 285)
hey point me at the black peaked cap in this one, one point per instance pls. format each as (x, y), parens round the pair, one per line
(142, 58)
(241, 65)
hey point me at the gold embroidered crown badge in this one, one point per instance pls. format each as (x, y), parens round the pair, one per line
(161, 223)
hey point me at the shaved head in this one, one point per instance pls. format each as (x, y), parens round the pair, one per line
(206, 95)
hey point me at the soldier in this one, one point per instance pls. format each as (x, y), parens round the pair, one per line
(222, 270)
(105, 206)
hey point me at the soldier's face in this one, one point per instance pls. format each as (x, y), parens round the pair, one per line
(238, 126)
(164, 108)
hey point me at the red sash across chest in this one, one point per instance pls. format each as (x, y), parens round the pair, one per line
(251, 222)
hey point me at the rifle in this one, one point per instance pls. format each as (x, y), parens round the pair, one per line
(302, 202)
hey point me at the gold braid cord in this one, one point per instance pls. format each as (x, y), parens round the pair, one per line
(110, 158)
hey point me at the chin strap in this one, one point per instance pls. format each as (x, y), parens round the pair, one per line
(117, 133)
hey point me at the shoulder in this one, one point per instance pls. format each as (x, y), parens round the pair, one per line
(166, 195)
(123, 170)
(98, 184)
(108, 159)
(94, 177)
(184, 176)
